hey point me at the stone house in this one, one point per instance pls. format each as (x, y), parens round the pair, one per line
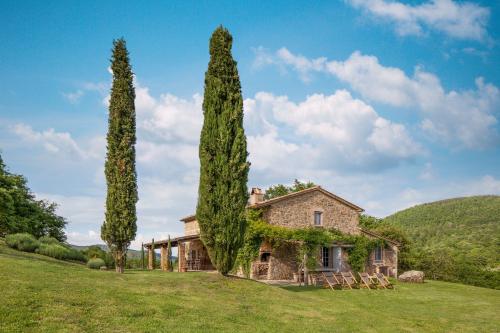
(312, 207)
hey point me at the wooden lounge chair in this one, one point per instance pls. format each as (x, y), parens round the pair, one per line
(383, 282)
(331, 281)
(366, 281)
(349, 279)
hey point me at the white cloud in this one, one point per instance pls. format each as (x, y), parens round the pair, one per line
(462, 20)
(52, 141)
(331, 128)
(170, 118)
(73, 97)
(464, 119)
(84, 238)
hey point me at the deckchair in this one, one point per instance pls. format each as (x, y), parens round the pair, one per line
(330, 280)
(349, 279)
(383, 282)
(366, 281)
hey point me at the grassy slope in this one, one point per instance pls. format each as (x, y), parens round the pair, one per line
(40, 294)
(468, 226)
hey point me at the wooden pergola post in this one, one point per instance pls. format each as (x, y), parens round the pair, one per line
(181, 257)
(163, 257)
(150, 257)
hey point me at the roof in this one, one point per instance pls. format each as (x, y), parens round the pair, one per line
(173, 241)
(188, 218)
(269, 202)
(307, 190)
(376, 235)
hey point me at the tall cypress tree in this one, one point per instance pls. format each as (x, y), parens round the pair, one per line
(119, 227)
(222, 192)
(169, 255)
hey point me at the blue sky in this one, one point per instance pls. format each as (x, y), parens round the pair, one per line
(386, 103)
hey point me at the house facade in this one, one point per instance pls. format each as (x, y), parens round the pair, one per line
(312, 207)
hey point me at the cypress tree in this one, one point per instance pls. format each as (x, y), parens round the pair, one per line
(119, 227)
(142, 255)
(222, 192)
(169, 255)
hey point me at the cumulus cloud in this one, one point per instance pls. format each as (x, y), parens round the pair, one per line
(463, 119)
(461, 20)
(52, 141)
(336, 128)
(75, 96)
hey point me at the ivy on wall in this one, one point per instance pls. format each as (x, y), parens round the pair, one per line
(308, 240)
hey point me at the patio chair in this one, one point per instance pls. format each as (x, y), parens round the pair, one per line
(349, 279)
(383, 282)
(331, 281)
(366, 281)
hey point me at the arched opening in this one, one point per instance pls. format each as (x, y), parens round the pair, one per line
(264, 257)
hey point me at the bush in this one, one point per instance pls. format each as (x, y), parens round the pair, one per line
(48, 240)
(95, 263)
(22, 242)
(60, 251)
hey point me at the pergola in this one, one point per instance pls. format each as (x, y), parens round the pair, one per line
(162, 245)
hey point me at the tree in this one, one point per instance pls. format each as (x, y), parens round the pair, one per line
(119, 227)
(21, 212)
(142, 255)
(281, 190)
(169, 255)
(222, 192)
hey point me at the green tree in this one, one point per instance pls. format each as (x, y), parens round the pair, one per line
(119, 227)
(20, 212)
(281, 190)
(169, 255)
(222, 192)
(142, 255)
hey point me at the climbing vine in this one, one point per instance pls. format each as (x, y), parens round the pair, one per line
(308, 240)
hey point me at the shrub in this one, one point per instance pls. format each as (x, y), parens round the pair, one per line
(60, 251)
(95, 263)
(22, 242)
(48, 240)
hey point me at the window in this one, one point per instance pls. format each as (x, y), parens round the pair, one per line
(264, 257)
(318, 218)
(378, 253)
(325, 256)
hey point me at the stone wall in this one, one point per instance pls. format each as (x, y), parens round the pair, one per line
(388, 265)
(283, 263)
(191, 228)
(298, 212)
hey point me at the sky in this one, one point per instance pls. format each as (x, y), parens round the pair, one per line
(387, 104)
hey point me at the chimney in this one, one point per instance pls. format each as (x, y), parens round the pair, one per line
(256, 196)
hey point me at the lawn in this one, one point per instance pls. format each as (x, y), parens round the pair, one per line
(40, 294)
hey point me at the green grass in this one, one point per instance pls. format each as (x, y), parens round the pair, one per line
(41, 294)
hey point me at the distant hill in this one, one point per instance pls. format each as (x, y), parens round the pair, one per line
(456, 231)
(135, 254)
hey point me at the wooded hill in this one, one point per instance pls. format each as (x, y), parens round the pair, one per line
(454, 238)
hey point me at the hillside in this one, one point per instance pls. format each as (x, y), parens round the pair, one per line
(135, 254)
(41, 294)
(455, 239)
(470, 226)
